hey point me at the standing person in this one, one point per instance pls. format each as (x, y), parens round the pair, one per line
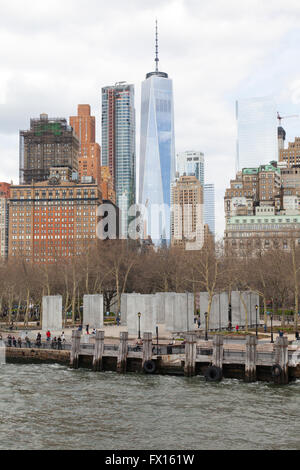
(14, 341)
(237, 328)
(38, 340)
(118, 320)
(28, 343)
(48, 335)
(20, 342)
(199, 321)
(87, 329)
(9, 340)
(59, 343)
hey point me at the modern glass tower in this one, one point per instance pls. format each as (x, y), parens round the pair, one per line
(118, 145)
(191, 163)
(157, 153)
(209, 206)
(257, 132)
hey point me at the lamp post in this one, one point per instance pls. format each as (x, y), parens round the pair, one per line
(206, 315)
(256, 308)
(272, 340)
(139, 317)
(157, 340)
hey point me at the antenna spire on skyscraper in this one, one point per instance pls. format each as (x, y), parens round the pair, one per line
(156, 46)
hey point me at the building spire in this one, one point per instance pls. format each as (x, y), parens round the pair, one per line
(156, 46)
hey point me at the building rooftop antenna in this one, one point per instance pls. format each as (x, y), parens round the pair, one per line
(156, 46)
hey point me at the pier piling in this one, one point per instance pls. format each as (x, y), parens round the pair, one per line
(190, 355)
(280, 370)
(74, 356)
(98, 351)
(147, 347)
(123, 351)
(251, 359)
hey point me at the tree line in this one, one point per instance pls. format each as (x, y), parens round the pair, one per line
(114, 267)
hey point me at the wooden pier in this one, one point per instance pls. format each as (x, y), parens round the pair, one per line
(251, 361)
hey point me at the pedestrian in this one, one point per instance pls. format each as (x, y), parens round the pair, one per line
(27, 340)
(237, 328)
(59, 342)
(199, 321)
(48, 335)
(118, 320)
(87, 329)
(9, 341)
(20, 342)
(14, 341)
(38, 340)
(54, 343)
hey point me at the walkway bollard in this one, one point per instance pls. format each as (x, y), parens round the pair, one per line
(251, 358)
(190, 355)
(122, 353)
(98, 351)
(75, 349)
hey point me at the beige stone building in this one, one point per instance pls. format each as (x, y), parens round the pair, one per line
(187, 212)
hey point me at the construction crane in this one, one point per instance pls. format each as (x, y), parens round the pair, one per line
(284, 117)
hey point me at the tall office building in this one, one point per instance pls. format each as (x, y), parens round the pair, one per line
(157, 154)
(257, 132)
(190, 163)
(4, 219)
(118, 145)
(209, 207)
(50, 142)
(89, 163)
(52, 219)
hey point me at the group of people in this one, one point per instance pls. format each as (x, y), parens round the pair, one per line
(56, 342)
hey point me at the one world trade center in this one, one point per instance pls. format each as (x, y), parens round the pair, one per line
(157, 154)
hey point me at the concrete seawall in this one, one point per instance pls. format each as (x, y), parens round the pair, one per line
(37, 356)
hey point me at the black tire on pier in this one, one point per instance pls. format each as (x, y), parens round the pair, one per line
(213, 374)
(276, 370)
(149, 367)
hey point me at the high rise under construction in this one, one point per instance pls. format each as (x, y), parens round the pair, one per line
(50, 142)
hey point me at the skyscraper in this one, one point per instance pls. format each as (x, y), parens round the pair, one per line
(257, 132)
(84, 125)
(190, 163)
(50, 142)
(209, 206)
(157, 154)
(118, 145)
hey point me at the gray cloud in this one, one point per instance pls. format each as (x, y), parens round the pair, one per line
(58, 54)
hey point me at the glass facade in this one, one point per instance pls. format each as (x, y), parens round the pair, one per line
(191, 163)
(257, 132)
(118, 145)
(157, 155)
(209, 206)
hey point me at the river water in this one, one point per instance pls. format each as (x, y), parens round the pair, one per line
(54, 407)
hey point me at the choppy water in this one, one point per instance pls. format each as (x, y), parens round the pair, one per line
(53, 407)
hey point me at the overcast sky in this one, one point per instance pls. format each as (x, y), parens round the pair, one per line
(54, 55)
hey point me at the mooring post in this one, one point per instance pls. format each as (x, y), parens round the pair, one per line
(218, 351)
(281, 359)
(75, 349)
(123, 351)
(251, 358)
(98, 350)
(190, 355)
(147, 347)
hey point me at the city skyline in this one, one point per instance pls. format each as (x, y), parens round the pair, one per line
(204, 104)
